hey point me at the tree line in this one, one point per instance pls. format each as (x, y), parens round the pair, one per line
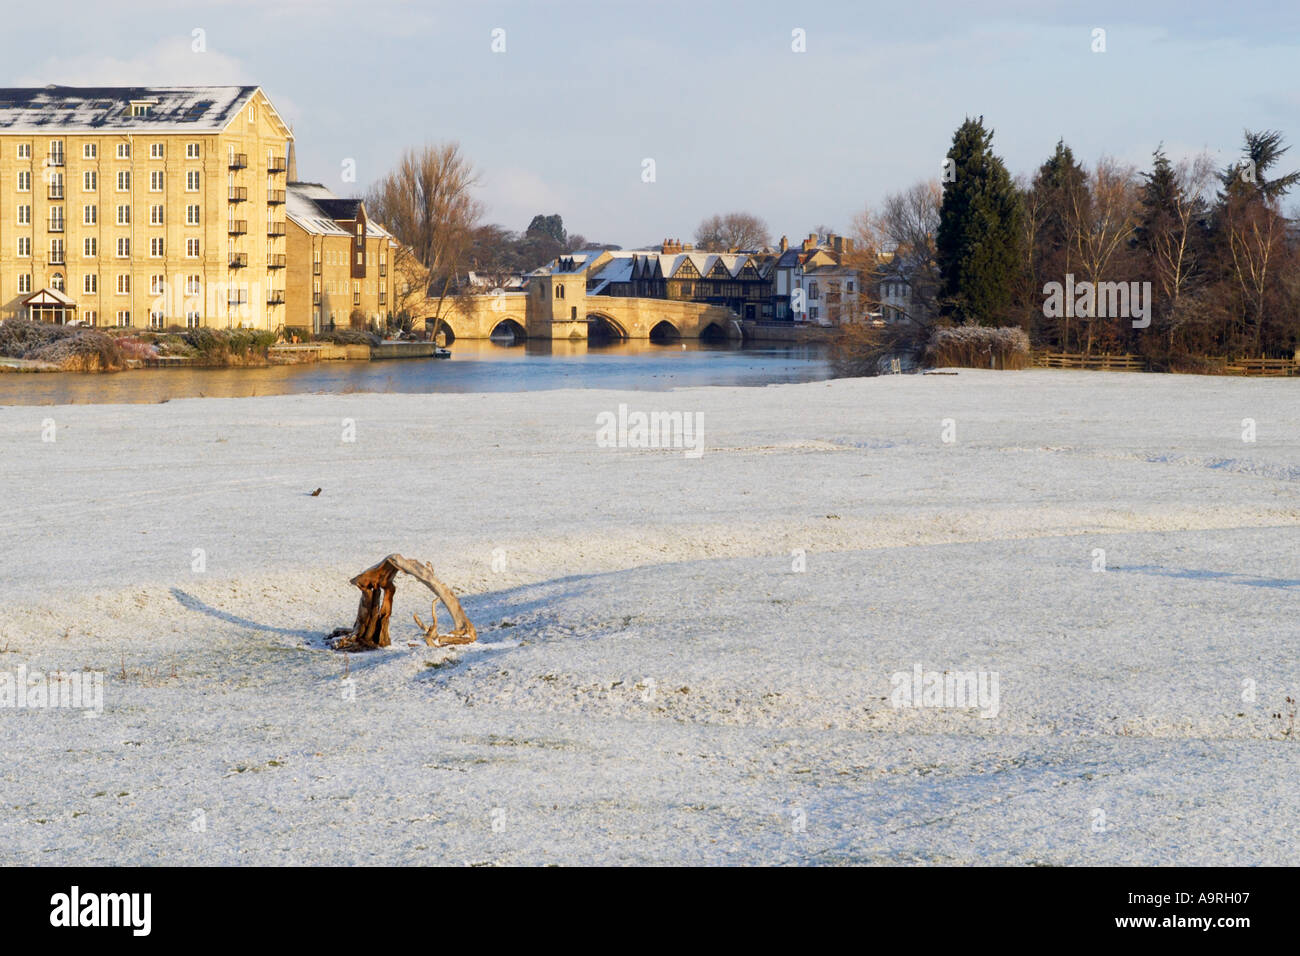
(1212, 263)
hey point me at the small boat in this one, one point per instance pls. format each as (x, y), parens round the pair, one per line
(440, 352)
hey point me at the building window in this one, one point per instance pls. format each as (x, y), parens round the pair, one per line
(56, 152)
(89, 247)
(360, 259)
(56, 252)
(155, 150)
(123, 150)
(191, 150)
(156, 247)
(155, 215)
(56, 219)
(123, 284)
(192, 215)
(24, 247)
(25, 282)
(193, 285)
(123, 248)
(89, 181)
(252, 115)
(56, 186)
(191, 320)
(24, 180)
(192, 181)
(24, 215)
(124, 215)
(192, 248)
(90, 317)
(90, 283)
(89, 150)
(157, 285)
(56, 282)
(813, 292)
(156, 181)
(124, 181)
(141, 109)
(123, 318)
(24, 150)
(356, 293)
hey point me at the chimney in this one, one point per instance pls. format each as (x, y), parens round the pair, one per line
(687, 248)
(292, 163)
(785, 243)
(810, 243)
(837, 243)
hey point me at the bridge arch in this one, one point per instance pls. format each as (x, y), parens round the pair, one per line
(602, 325)
(445, 328)
(664, 331)
(509, 327)
(713, 332)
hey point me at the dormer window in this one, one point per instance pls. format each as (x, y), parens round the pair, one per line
(141, 107)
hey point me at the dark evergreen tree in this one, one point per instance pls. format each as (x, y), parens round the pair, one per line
(1249, 178)
(552, 225)
(980, 238)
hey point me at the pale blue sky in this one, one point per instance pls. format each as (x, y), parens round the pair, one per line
(712, 91)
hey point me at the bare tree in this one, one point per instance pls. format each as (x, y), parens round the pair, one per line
(897, 241)
(1176, 203)
(1101, 221)
(731, 231)
(426, 203)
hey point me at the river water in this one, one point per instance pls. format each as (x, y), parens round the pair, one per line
(473, 367)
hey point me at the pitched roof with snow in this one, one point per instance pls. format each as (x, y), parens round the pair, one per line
(101, 109)
(317, 210)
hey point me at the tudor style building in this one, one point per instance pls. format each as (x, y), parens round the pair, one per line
(738, 281)
(143, 206)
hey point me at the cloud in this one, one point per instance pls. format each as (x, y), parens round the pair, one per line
(513, 196)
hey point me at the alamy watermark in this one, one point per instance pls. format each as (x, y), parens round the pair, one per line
(957, 689)
(1098, 300)
(36, 690)
(684, 430)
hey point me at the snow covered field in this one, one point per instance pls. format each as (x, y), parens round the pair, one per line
(657, 681)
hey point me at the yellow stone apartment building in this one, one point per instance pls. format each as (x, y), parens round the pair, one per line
(341, 264)
(144, 206)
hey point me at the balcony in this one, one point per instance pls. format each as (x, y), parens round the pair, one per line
(274, 229)
(238, 227)
(383, 270)
(238, 260)
(275, 261)
(56, 259)
(315, 268)
(239, 161)
(277, 164)
(237, 298)
(56, 225)
(55, 159)
(274, 197)
(238, 194)
(315, 298)
(56, 192)
(275, 297)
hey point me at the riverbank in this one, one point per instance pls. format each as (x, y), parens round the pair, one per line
(681, 659)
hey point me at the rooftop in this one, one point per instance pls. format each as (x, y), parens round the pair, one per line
(140, 109)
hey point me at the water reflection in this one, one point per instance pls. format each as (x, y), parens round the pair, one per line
(475, 366)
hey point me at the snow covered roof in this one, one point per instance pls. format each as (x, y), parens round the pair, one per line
(316, 209)
(98, 109)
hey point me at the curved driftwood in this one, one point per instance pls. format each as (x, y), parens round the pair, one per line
(377, 590)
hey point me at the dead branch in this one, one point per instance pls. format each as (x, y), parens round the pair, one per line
(376, 606)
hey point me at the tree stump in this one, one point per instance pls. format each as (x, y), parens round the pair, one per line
(370, 630)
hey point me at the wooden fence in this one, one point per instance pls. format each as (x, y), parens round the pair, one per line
(1104, 362)
(1135, 363)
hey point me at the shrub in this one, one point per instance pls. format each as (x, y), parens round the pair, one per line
(978, 346)
(348, 337)
(85, 350)
(864, 349)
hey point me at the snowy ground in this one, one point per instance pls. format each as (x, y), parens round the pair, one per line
(654, 682)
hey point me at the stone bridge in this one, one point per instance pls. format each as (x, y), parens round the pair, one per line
(572, 314)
